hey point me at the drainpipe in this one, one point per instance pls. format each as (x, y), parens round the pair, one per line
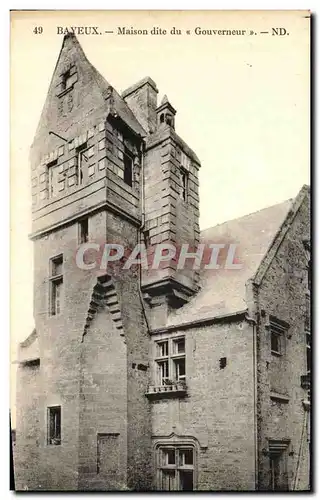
(139, 231)
(253, 323)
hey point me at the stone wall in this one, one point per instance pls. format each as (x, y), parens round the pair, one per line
(218, 410)
(282, 294)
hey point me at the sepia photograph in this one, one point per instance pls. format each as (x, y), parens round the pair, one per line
(160, 251)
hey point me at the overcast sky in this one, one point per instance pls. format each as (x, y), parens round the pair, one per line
(242, 105)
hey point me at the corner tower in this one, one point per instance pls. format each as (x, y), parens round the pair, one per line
(86, 187)
(170, 210)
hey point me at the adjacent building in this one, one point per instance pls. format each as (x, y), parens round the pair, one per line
(155, 379)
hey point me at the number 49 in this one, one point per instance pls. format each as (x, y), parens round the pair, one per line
(38, 30)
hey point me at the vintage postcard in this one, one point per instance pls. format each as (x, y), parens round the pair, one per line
(160, 200)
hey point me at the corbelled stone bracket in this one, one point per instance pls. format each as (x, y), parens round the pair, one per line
(104, 295)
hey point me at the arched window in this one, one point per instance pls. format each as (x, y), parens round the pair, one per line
(161, 118)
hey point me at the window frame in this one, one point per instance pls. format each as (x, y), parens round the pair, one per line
(66, 76)
(278, 451)
(49, 437)
(55, 279)
(176, 467)
(83, 237)
(308, 353)
(127, 154)
(184, 188)
(277, 337)
(50, 169)
(277, 329)
(80, 151)
(307, 319)
(170, 359)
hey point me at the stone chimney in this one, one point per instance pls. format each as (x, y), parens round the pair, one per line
(142, 100)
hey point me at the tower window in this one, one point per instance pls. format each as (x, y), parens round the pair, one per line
(54, 425)
(128, 167)
(53, 179)
(183, 184)
(56, 285)
(82, 161)
(162, 118)
(83, 230)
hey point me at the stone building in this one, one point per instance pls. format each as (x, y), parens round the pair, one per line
(170, 378)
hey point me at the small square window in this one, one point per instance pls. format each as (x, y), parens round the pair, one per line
(54, 425)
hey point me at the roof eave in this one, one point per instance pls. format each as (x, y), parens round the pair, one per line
(221, 318)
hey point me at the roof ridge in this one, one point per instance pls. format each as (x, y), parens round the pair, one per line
(247, 215)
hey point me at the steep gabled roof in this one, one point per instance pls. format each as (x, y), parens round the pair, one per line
(279, 236)
(223, 290)
(119, 105)
(71, 51)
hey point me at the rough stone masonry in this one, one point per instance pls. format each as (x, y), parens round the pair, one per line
(164, 379)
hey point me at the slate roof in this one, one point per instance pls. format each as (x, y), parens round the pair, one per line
(120, 106)
(223, 291)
